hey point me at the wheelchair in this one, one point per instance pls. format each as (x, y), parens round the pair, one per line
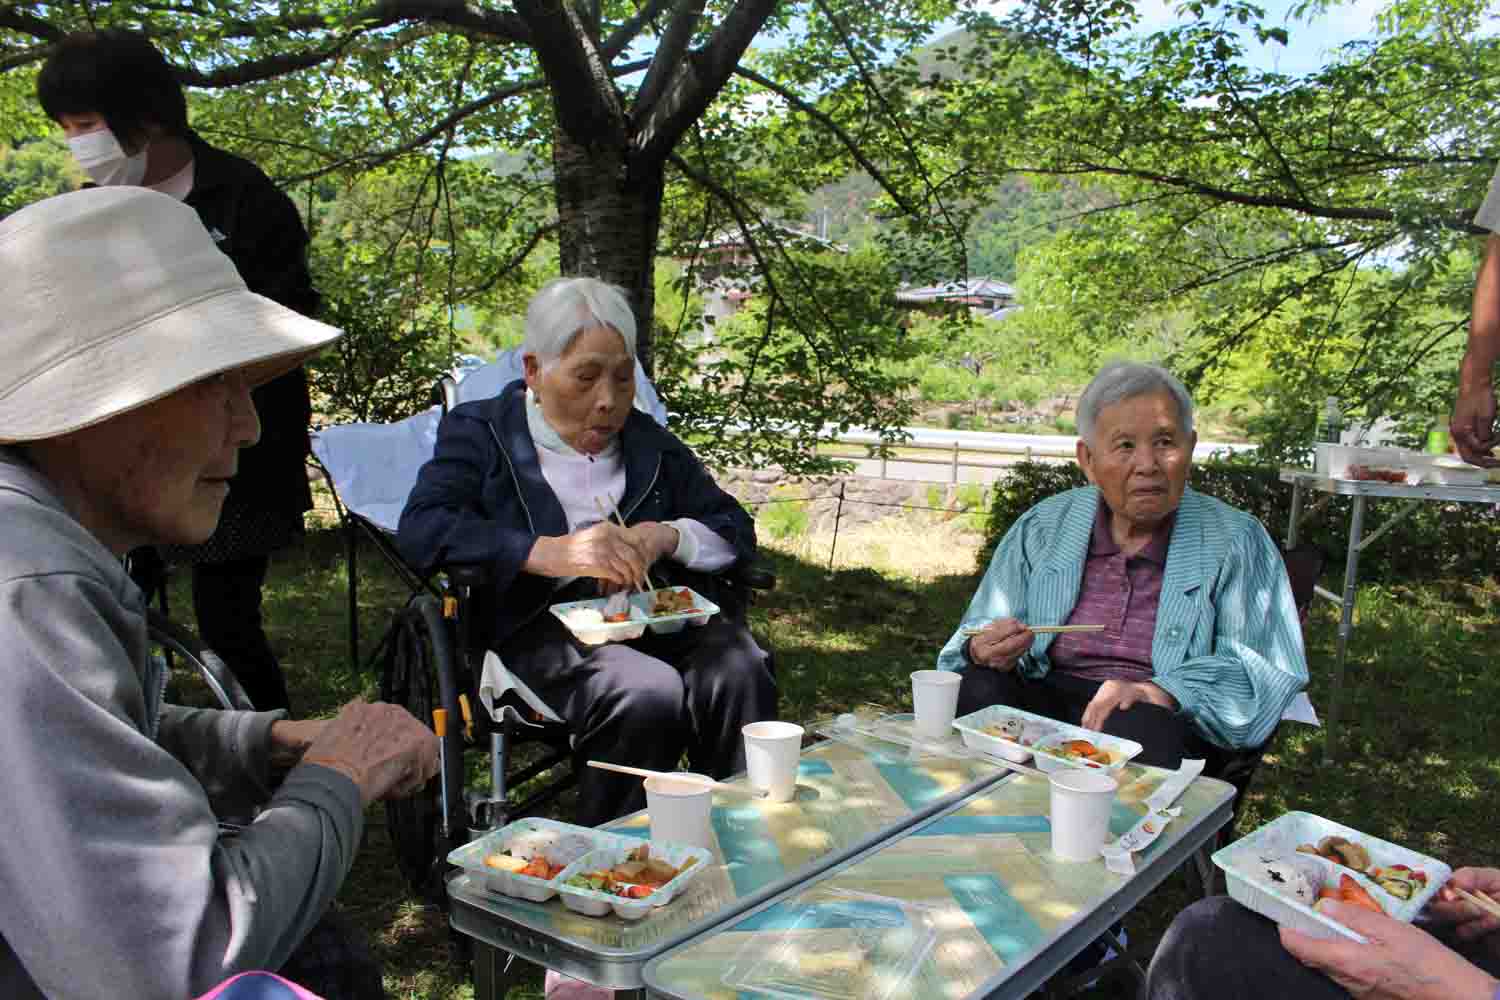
(432, 657)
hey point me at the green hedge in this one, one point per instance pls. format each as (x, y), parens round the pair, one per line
(1437, 539)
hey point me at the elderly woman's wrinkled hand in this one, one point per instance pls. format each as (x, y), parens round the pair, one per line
(380, 747)
(1122, 695)
(1468, 921)
(605, 551)
(656, 539)
(1001, 644)
(1397, 960)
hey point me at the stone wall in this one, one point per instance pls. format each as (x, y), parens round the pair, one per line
(865, 500)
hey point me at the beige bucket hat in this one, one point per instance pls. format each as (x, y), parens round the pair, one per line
(115, 297)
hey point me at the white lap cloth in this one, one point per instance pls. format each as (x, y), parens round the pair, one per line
(1301, 710)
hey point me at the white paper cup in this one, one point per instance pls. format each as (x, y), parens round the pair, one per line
(771, 753)
(679, 811)
(1081, 802)
(934, 698)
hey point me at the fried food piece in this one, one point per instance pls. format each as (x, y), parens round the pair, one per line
(504, 862)
(671, 602)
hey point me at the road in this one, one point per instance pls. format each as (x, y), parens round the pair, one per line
(989, 448)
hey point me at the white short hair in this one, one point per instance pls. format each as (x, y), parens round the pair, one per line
(565, 307)
(1122, 380)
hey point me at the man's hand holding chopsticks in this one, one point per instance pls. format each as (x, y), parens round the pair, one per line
(1000, 644)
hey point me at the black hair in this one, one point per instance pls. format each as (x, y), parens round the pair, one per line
(118, 75)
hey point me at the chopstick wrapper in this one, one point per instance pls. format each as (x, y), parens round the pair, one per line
(1119, 856)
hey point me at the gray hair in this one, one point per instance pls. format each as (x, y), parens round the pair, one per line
(565, 307)
(1122, 380)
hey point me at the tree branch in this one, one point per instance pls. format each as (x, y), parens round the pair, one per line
(1460, 221)
(583, 94)
(697, 79)
(16, 18)
(844, 138)
(626, 33)
(669, 51)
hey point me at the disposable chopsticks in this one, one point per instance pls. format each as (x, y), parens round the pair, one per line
(1039, 629)
(641, 772)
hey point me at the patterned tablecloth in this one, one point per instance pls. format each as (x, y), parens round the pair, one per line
(850, 794)
(949, 907)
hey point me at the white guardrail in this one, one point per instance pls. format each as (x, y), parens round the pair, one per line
(955, 444)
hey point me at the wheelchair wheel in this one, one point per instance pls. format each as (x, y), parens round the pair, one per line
(177, 642)
(419, 673)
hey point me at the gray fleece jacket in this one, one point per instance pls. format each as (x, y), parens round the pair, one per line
(114, 880)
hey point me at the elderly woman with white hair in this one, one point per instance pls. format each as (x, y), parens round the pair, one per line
(518, 484)
(1201, 649)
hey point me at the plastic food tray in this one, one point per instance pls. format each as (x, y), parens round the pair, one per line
(1445, 470)
(596, 904)
(1279, 840)
(559, 843)
(640, 617)
(1048, 733)
(837, 945)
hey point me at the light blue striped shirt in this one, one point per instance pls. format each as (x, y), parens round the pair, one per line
(1228, 640)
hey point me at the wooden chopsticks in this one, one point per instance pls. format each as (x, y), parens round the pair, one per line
(1038, 629)
(1481, 899)
(649, 585)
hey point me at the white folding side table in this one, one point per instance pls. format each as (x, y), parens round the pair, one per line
(1360, 493)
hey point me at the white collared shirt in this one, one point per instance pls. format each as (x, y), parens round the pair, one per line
(577, 479)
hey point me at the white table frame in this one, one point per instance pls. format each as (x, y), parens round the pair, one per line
(1360, 493)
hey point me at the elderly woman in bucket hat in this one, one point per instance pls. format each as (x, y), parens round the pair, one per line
(127, 353)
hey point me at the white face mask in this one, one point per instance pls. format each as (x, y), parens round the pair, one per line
(101, 156)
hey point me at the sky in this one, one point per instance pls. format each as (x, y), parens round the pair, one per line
(1311, 43)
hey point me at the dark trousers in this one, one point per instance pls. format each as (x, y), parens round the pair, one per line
(645, 702)
(1165, 736)
(335, 961)
(1218, 949)
(226, 600)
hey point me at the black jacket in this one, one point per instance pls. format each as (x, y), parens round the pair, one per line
(256, 224)
(481, 500)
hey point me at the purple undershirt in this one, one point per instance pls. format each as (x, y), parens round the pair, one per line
(1122, 594)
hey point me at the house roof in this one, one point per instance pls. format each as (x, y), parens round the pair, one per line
(969, 288)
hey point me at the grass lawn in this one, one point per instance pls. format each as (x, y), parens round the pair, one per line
(1421, 708)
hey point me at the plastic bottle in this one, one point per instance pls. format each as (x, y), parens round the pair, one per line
(1438, 440)
(1331, 423)
(1329, 430)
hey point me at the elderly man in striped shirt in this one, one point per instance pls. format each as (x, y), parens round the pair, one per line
(1201, 648)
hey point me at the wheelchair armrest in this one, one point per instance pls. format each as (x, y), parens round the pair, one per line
(468, 575)
(752, 575)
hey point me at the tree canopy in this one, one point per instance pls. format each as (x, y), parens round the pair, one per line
(1275, 237)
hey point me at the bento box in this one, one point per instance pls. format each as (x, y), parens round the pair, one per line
(1018, 736)
(585, 619)
(1277, 872)
(630, 878)
(511, 859)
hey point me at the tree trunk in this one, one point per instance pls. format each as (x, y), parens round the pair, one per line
(609, 211)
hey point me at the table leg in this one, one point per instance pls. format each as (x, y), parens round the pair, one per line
(493, 973)
(1346, 627)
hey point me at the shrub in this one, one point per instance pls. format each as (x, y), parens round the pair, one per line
(1437, 539)
(782, 517)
